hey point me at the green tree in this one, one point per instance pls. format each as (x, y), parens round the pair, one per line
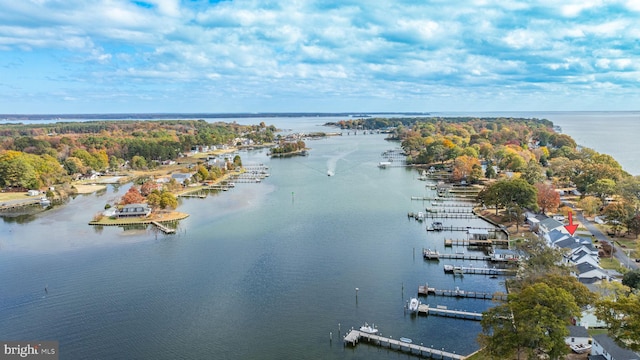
(168, 200)
(533, 173)
(622, 316)
(590, 205)
(138, 162)
(602, 188)
(533, 320)
(632, 279)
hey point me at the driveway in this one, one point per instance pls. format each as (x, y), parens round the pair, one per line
(619, 253)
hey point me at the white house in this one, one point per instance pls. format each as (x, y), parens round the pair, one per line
(578, 335)
(605, 347)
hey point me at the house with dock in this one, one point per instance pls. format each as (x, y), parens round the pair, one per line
(133, 210)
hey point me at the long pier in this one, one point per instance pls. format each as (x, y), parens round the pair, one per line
(426, 291)
(462, 228)
(443, 311)
(472, 242)
(478, 270)
(440, 215)
(354, 337)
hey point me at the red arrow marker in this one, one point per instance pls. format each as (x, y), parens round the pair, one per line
(571, 228)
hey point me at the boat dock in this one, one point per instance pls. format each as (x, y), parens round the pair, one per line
(354, 336)
(443, 311)
(461, 228)
(425, 290)
(441, 215)
(164, 229)
(464, 257)
(478, 270)
(473, 242)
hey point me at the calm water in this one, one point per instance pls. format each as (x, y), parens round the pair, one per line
(265, 271)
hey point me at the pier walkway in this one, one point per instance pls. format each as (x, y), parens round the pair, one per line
(426, 291)
(164, 229)
(443, 311)
(476, 270)
(472, 242)
(354, 336)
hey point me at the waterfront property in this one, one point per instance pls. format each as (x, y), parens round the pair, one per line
(134, 210)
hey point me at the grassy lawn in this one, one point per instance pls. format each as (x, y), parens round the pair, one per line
(4, 196)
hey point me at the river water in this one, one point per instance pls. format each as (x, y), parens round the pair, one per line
(264, 271)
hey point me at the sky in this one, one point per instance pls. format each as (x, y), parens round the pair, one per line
(172, 56)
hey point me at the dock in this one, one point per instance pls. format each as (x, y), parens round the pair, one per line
(355, 336)
(443, 311)
(478, 270)
(465, 257)
(474, 242)
(441, 215)
(461, 228)
(164, 229)
(425, 290)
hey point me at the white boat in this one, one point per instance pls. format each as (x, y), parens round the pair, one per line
(580, 348)
(406, 340)
(413, 305)
(366, 328)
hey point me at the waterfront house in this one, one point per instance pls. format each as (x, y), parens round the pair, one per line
(578, 335)
(181, 177)
(134, 210)
(588, 274)
(604, 348)
(549, 224)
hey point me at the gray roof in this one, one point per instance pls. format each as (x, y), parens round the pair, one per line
(550, 223)
(617, 352)
(578, 331)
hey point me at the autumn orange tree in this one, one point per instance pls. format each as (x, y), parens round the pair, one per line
(463, 167)
(132, 196)
(548, 198)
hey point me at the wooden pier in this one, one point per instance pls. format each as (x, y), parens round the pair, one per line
(478, 270)
(472, 242)
(443, 311)
(462, 228)
(425, 290)
(354, 337)
(464, 257)
(164, 229)
(440, 215)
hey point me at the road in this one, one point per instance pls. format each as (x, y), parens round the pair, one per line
(619, 253)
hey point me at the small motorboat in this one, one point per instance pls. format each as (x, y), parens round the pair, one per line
(580, 348)
(406, 340)
(413, 305)
(366, 328)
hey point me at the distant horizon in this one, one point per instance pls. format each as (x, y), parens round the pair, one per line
(9, 116)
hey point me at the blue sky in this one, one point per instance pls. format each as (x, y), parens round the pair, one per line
(113, 56)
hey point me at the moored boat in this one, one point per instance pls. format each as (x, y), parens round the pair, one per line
(366, 328)
(580, 348)
(406, 340)
(413, 305)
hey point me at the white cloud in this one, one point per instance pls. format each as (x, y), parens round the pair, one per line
(306, 49)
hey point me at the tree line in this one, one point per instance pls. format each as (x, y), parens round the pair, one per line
(37, 155)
